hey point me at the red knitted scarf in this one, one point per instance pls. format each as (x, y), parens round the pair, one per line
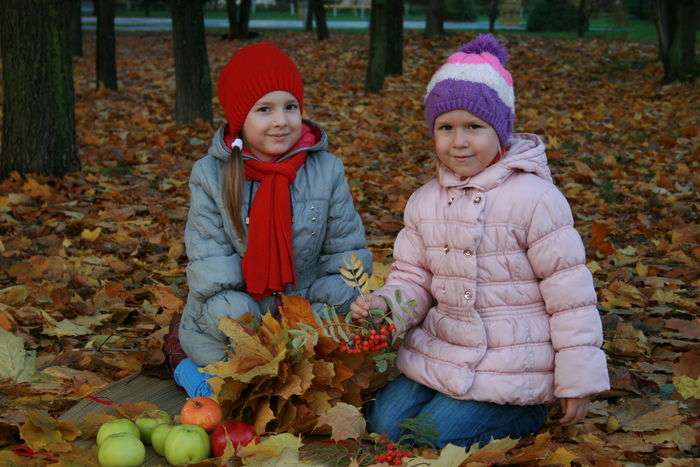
(268, 263)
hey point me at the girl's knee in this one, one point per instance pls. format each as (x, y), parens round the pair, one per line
(382, 420)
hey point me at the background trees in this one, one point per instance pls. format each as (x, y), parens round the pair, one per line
(38, 132)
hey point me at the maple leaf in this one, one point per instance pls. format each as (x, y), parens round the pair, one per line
(249, 351)
(41, 431)
(493, 452)
(16, 363)
(450, 456)
(91, 235)
(346, 421)
(561, 457)
(682, 436)
(64, 327)
(269, 448)
(14, 295)
(687, 387)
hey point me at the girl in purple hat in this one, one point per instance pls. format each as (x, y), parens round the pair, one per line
(505, 319)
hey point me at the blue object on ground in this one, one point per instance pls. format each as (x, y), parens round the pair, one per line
(193, 381)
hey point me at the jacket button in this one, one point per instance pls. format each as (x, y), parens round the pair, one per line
(467, 295)
(446, 249)
(313, 234)
(477, 199)
(313, 207)
(313, 219)
(468, 252)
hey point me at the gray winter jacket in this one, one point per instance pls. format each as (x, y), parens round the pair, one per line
(326, 230)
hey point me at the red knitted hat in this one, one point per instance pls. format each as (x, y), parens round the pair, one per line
(252, 72)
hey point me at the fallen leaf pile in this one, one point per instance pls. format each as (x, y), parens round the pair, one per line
(276, 386)
(93, 265)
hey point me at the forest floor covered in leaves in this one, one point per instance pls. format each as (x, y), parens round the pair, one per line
(100, 253)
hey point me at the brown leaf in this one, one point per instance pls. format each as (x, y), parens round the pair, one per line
(41, 431)
(131, 410)
(345, 420)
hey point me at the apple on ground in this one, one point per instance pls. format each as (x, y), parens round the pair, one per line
(201, 411)
(158, 437)
(186, 444)
(149, 420)
(119, 425)
(121, 450)
(239, 433)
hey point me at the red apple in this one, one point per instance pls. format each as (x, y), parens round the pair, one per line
(240, 434)
(201, 411)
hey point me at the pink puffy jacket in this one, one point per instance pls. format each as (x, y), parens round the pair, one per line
(505, 305)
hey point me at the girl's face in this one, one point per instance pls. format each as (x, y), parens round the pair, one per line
(273, 125)
(464, 143)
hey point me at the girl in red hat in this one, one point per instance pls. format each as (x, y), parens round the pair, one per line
(270, 213)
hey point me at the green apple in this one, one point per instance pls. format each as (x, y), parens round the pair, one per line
(158, 436)
(149, 420)
(121, 450)
(185, 444)
(119, 425)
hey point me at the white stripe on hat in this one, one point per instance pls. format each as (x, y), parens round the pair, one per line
(477, 73)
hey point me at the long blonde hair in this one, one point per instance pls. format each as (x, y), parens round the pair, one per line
(232, 188)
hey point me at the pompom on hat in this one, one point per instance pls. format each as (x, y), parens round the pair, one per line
(252, 72)
(475, 79)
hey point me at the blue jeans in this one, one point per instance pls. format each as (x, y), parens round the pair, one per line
(459, 422)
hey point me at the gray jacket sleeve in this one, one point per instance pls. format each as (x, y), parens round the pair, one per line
(345, 235)
(213, 266)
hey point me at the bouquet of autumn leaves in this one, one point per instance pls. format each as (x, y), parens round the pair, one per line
(307, 369)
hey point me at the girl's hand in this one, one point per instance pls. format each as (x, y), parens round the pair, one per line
(359, 310)
(574, 409)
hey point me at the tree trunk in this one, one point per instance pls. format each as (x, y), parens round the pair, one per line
(38, 133)
(192, 81)
(585, 9)
(232, 12)
(434, 20)
(320, 17)
(394, 53)
(376, 68)
(493, 15)
(75, 30)
(106, 60)
(244, 19)
(676, 23)
(309, 23)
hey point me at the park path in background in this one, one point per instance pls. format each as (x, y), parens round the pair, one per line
(165, 24)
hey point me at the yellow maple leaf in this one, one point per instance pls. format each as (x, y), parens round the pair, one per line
(91, 235)
(41, 431)
(450, 456)
(494, 452)
(269, 448)
(36, 189)
(380, 271)
(560, 457)
(687, 386)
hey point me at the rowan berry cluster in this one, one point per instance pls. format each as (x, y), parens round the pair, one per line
(393, 455)
(374, 341)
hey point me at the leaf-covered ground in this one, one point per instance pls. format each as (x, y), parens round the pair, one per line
(92, 265)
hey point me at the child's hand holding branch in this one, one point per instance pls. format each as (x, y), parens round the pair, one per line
(359, 310)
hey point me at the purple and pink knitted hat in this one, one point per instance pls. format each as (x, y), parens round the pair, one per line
(475, 79)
